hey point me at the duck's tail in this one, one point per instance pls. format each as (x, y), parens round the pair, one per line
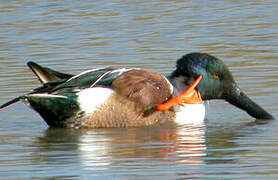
(45, 75)
(10, 102)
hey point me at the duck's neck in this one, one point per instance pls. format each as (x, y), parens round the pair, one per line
(180, 82)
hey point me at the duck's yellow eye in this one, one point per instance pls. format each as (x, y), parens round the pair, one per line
(215, 76)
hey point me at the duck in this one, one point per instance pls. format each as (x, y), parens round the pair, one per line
(131, 97)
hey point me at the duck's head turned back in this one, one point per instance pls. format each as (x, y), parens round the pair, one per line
(217, 82)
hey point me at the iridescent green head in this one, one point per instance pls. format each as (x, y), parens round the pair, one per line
(217, 82)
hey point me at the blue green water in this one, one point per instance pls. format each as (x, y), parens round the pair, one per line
(72, 36)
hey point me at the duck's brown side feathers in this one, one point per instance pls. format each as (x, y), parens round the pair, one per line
(146, 88)
(119, 112)
(136, 90)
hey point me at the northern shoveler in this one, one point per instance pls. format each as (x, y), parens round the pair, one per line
(112, 97)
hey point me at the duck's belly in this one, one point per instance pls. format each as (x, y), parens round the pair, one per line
(190, 114)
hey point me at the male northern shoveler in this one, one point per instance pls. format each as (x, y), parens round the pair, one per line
(112, 97)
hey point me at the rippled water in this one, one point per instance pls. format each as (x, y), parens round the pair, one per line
(75, 35)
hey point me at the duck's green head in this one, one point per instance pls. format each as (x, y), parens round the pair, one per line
(217, 82)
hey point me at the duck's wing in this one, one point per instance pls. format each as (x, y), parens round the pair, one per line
(45, 74)
(91, 78)
(58, 83)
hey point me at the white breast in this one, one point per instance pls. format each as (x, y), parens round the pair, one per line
(91, 98)
(191, 114)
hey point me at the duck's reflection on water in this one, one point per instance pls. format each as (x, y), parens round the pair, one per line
(142, 145)
(183, 150)
(130, 147)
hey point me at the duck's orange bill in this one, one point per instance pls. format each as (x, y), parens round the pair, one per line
(189, 96)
